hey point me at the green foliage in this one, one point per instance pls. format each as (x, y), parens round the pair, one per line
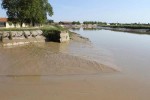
(76, 23)
(53, 27)
(28, 11)
(94, 22)
(49, 27)
(51, 35)
(129, 25)
(101, 23)
(10, 23)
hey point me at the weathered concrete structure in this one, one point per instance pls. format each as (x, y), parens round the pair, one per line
(57, 36)
(64, 36)
(9, 38)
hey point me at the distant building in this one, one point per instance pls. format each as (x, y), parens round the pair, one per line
(50, 21)
(4, 23)
(65, 24)
(108, 23)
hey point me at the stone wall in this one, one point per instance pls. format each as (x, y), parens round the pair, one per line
(9, 38)
(57, 36)
(64, 36)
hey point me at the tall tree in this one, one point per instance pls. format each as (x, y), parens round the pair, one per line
(28, 11)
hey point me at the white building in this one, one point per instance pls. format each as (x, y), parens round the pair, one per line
(5, 24)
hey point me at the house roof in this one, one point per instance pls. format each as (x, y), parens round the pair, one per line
(3, 19)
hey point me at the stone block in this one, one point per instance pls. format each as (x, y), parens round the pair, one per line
(39, 32)
(6, 34)
(34, 33)
(27, 34)
(64, 36)
(20, 35)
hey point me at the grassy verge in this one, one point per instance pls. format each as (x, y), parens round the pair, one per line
(49, 27)
(52, 32)
(129, 26)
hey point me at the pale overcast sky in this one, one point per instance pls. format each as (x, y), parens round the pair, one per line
(124, 11)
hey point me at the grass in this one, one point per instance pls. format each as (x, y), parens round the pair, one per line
(17, 29)
(53, 27)
(45, 27)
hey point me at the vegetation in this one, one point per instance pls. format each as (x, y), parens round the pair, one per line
(76, 23)
(91, 29)
(130, 26)
(94, 22)
(27, 11)
(46, 27)
(120, 25)
(51, 35)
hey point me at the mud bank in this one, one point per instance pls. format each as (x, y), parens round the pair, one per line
(39, 60)
(139, 31)
(78, 38)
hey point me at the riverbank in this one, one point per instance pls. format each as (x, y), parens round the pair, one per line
(128, 29)
(78, 38)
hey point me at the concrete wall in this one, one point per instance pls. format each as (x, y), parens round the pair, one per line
(10, 38)
(64, 36)
(57, 36)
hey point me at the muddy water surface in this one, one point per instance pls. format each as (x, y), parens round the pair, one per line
(115, 66)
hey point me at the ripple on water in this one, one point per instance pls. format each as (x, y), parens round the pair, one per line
(46, 59)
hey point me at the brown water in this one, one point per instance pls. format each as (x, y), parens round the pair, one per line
(129, 52)
(26, 79)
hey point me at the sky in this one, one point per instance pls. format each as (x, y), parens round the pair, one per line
(122, 11)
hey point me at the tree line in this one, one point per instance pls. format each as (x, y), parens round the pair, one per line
(76, 23)
(94, 22)
(27, 11)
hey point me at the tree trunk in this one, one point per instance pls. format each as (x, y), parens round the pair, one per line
(33, 23)
(21, 23)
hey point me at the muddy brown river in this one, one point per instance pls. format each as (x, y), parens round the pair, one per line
(114, 66)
